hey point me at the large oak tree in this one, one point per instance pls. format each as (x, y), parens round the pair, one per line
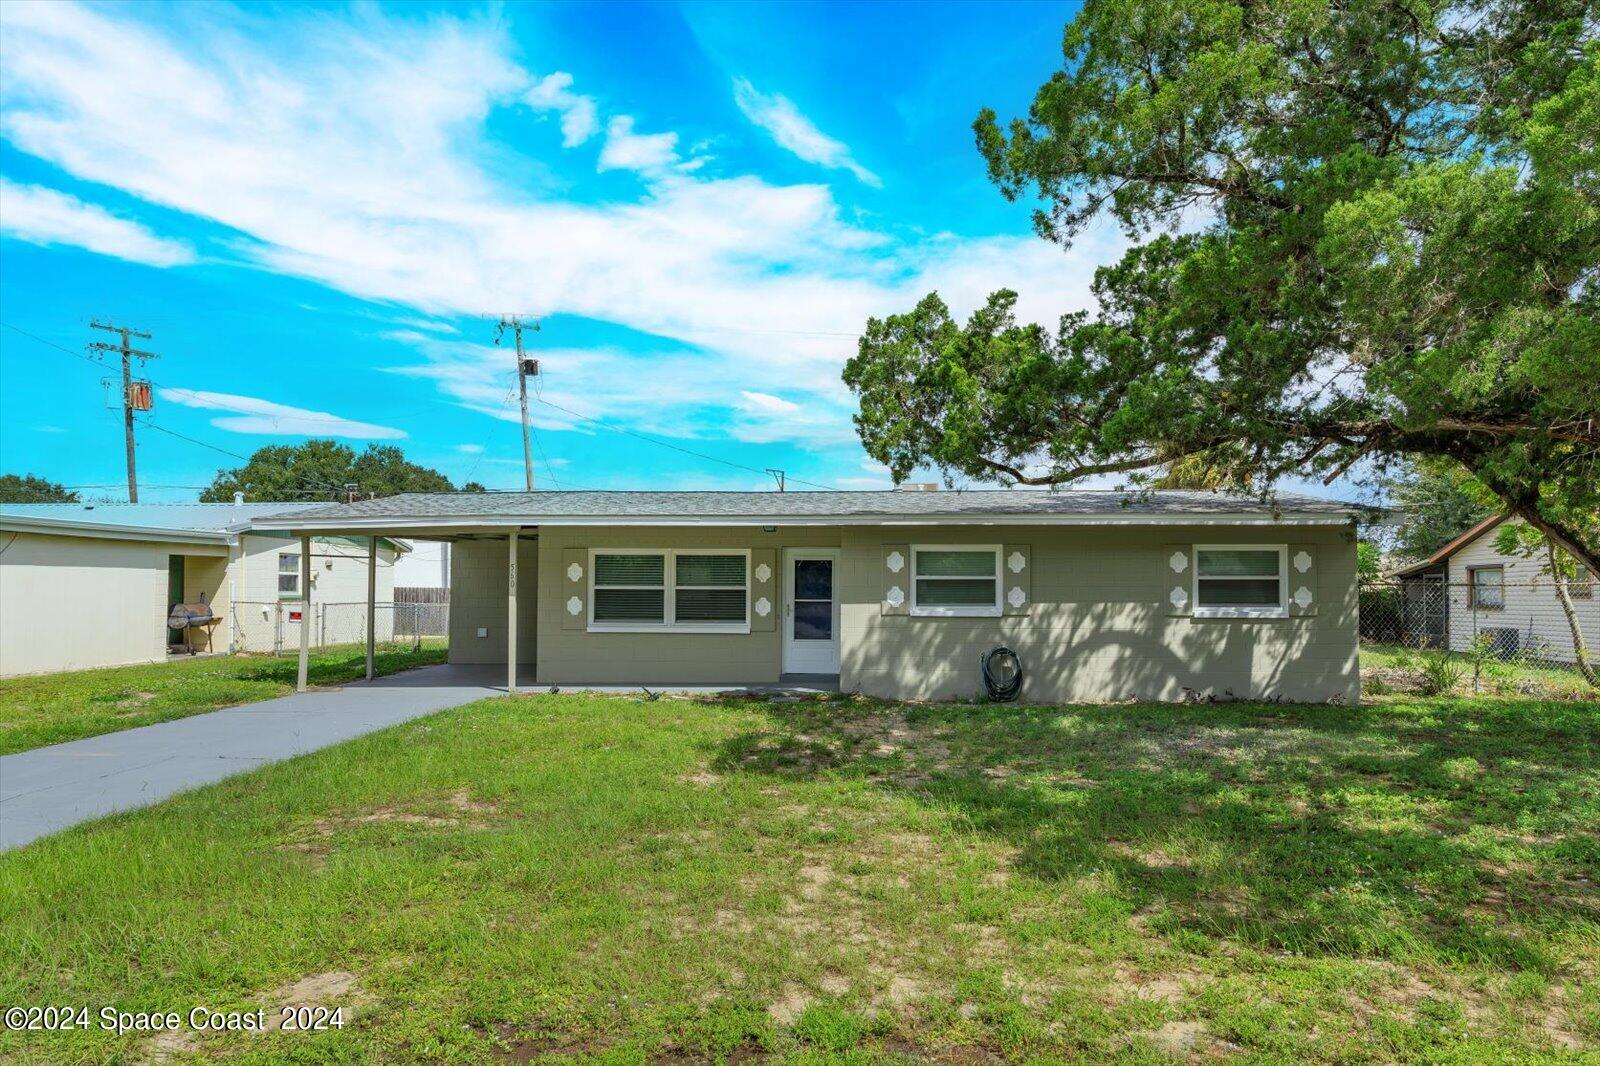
(320, 470)
(1363, 231)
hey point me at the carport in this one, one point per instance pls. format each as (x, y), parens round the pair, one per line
(513, 538)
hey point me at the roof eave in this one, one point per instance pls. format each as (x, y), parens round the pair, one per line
(460, 523)
(1449, 549)
(112, 531)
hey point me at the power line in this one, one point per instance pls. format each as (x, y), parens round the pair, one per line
(675, 447)
(99, 363)
(493, 430)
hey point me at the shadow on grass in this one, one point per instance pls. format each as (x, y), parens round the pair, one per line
(1453, 829)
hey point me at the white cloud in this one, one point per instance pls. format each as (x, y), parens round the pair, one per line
(579, 116)
(778, 115)
(252, 415)
(39, 215)
(644, 152)
(350, 154)
(864, 483)
(469, 449)
(768, 403)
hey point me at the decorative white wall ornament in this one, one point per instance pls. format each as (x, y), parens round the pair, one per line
(1016, 561)
(1016, 597)
(896, 563)
(1302, 561)
(763, 606)
(763, 573)
(1179, 597)
(895, 597)
(1179, 562)
(1302, 596)
(574, 607)
(574, 572)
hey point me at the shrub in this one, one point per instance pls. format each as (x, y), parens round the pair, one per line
(1441, 673)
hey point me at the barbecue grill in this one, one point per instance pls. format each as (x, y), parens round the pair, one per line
(186, 616)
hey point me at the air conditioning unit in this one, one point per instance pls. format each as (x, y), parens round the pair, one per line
(1504, 642)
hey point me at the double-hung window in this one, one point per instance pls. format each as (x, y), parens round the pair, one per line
(955, 580)
(1240, 581)
(697, 590)
(289, 575)
(1486, 587)
(1581, 587)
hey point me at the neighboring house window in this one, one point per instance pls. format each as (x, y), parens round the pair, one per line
(1582, 586)
(710, 590)
(955, 580)
(288, 574)
(1240, 581)
(1486, 587)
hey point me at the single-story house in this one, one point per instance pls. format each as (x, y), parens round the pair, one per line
(1469, 587)
(93, 584)
(1102, 594)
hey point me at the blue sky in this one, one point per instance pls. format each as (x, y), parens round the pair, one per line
(318, 210)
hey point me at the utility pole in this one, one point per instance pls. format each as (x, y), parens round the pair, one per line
(526, 368)
(132, 399)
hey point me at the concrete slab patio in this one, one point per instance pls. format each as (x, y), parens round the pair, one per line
(50, 789)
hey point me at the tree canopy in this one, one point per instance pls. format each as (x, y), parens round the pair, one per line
(1361, 232)
(1435, 501)
(27, 488)
(320, 469)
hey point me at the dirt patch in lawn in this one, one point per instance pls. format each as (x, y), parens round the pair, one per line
(334, 988)
(1167, 987)
(458, 810)
(1180, 1039)
(788, 1007)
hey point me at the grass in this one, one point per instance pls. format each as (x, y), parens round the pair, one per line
(1498, 677)
(52, 708)
(625, 880)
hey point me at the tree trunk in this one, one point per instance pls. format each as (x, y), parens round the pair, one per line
(1564, 536)
(1579, 651)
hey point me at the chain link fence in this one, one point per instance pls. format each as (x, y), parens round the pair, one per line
(1430, 634)
(273, 627)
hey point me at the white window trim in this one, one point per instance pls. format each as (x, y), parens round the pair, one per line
(282, 573)
(1280, 611)
(669, 575)
(974, 611)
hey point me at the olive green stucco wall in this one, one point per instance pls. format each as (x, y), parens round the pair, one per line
(1097, 623)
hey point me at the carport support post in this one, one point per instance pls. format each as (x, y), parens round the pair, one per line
(305, 613)
(372, 597)
(511, 611)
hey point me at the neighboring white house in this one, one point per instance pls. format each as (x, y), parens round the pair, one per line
(86, 585)
(425, 566)
(1484, 590)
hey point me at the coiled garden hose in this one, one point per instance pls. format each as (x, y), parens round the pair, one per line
(1002, 674)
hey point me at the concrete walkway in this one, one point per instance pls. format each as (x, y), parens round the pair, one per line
(49, 789)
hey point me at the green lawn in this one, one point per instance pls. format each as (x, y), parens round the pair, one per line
(51, 708)
(626, 880)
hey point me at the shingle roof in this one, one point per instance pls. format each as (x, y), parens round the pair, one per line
(1461, 540)
(188, 518)
(531, 507)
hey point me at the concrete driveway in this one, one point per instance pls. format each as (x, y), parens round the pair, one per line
(49, 789)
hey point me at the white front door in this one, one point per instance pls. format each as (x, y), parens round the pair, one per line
(810, 611)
